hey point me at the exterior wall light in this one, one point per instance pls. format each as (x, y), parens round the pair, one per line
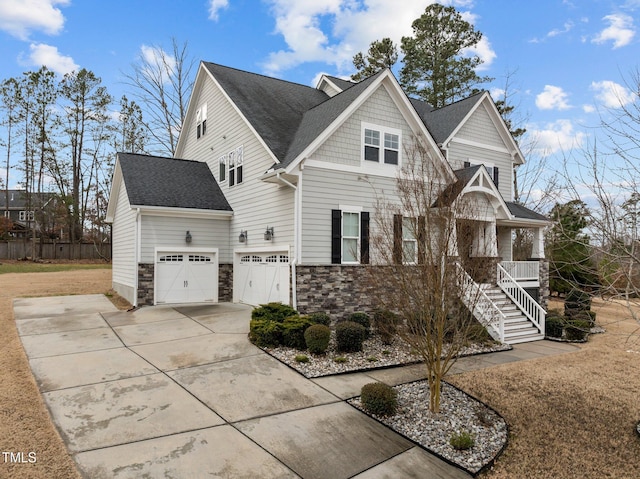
(243, 236)
(268, 234)
(188, 237)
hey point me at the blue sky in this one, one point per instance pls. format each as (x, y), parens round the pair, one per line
(567, 59)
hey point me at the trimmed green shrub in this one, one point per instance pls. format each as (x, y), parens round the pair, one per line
(379, 399)
(301, 358)
(462, 440)
(320, 318)
(362, 319)
(316, 338)
(385, 323)
(265, 333)
(277, 312)
(293, 329)
(554, 326)
(340, 360)
(577, 330)
(349, 336)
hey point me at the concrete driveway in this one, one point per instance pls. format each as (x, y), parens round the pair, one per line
(181, 392)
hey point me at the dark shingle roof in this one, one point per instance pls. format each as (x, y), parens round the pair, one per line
(443, 121)
(340, 83)
(273, 107)
(451, 192)
(169, 182)
(520, 211)
(317, 119)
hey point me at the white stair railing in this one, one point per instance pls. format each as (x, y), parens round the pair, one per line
(522, 270)
(480, 305)
(523, 300)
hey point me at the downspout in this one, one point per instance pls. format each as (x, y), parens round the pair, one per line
(296, 234)
(137, 259)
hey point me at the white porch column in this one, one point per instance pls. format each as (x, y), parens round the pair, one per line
(505, 244)
(537, 252)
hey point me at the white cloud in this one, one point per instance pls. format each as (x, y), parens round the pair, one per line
(611, 94)
(620, 30)
(20, 17)
(552, 98)
(559, 136)
(160, 62)
(588, 108)
(50, 57)
(215, 6)
(333, 31)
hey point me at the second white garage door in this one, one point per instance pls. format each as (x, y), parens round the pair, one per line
(260, 278)
(186, 277)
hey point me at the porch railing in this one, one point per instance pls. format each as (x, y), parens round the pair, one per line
(522, 270)
(480, 305)
(529, 306)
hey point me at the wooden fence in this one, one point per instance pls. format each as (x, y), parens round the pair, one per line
(70, 251)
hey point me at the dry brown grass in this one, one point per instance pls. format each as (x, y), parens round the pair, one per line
(574, 415)
(25, 425)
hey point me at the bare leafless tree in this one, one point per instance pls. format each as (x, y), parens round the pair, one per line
(417, 271)
(162, 85)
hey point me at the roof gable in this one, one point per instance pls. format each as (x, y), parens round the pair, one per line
(170, 183)
(274, 108)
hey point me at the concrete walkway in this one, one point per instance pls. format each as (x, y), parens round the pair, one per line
(180, 392)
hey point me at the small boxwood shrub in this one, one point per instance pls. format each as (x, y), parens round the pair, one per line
(385, 323)
(277, 312)
(302, 358)
(265, 333)
(379, 399)
(316, 338)
(362, 319)
(293, 329)
(554, 326)
(349, 336)
(577, 330)
(320, 318)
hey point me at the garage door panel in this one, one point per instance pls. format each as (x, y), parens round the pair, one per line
(261, 278)
(186, 277)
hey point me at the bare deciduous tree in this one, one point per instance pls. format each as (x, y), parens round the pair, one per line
(162, 83)
(419, 274)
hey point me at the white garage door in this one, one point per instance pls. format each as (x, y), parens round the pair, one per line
(260, 278)
(186, 277)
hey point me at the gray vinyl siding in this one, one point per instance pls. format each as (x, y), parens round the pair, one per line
(481, 130)
(345, 145)
(123, 247)
(255, 203)
(170, 232)
(326, 190)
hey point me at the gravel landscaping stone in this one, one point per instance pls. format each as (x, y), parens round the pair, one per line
(459, 412)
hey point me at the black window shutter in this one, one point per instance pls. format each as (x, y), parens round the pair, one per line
(495, 175)
(421, 236)
(397, 239)
(336, 236)
(467, 164)
(364, 237)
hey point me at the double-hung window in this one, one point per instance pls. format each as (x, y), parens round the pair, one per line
(350, 237)
(25, 216)
(381, 144)
(492, 170)
(222, 169)
(236, 161)
(201, 121)
(409, 241)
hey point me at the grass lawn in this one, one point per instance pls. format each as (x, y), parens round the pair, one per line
(9, 266)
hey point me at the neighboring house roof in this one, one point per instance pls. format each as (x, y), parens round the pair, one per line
(169, 182)
(523, 212)
(18, 199)
(273, 107)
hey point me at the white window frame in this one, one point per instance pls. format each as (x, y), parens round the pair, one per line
(201, 121)
(222, 169)
(235, 166)
(350, 210)
(409, 226)
(7, 214)
(383, 146)
(25, 216)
